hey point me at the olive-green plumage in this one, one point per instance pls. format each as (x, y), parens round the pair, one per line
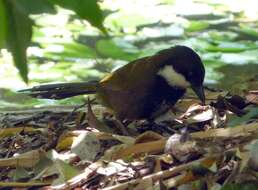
(137, 90)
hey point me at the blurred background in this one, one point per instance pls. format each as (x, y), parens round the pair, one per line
(80, 41)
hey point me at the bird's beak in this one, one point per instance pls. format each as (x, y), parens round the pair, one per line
(199, 91)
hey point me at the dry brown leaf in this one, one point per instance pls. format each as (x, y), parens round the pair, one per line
(6, 132)
(65, 143)
(112, 168)
(22, 184)
(66, 140)
(173, 182)
(167, 158)
(181, 150)
(93, 120)
(149, 147)
(242, 130)
(160, 175)
(148, 136)
(213, 95)
(83, 177)
(143, 184)
(185, 103)
(200, 114)
(113, 152)
(124, 139)
(26, 160)
(252, 97)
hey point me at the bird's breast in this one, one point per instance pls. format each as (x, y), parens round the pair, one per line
(139, 101)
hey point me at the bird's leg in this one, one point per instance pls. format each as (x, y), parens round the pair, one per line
(162, 109)
(120, 125)
(157, 122)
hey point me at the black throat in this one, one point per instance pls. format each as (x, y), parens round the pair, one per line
(170, 94)
(161, 93)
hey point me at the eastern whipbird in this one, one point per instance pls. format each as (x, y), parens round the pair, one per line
(138, 89)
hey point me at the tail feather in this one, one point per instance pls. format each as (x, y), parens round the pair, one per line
(62, 90)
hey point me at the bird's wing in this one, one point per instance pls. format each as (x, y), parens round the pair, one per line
(140, 72)
(129, 75)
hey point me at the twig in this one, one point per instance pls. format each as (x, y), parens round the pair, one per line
(162, 174)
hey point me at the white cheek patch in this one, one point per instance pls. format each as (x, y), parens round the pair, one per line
(172, 77)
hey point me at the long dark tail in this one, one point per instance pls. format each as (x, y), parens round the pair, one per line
(62, 90)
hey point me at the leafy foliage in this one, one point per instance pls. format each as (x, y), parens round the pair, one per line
(88, 10)
(64, 48)
(37, 7)
(252, 113)
(16, 25)
(3, 23)
(19, 31)
(70, 50)
(115, 50)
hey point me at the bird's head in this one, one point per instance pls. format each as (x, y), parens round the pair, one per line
(183, 68)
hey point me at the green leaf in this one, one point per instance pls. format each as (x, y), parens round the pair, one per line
(230, 47)
(65, 170)
(19, 33)
(195, 26)
(221, 35)
(111, 49)
(244, 186)
(20, 173)
(86, 9)
(37, 7)
(2, 24)
(66, 51)
(253, 112)
(247, 30)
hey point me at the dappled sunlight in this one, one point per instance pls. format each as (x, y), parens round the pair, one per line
(65, 48)
(133, 94)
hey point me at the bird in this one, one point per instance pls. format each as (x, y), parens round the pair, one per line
(138, 89)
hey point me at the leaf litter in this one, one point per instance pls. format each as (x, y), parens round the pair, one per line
(212, 145)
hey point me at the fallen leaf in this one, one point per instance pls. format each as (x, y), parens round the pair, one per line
(204, 115)
(112, 168)
(148, 147)
(147, 137)
(20, 173)
(6, 132)
(26, 160)
(86, 146)
(124, 139)
(235, 120)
